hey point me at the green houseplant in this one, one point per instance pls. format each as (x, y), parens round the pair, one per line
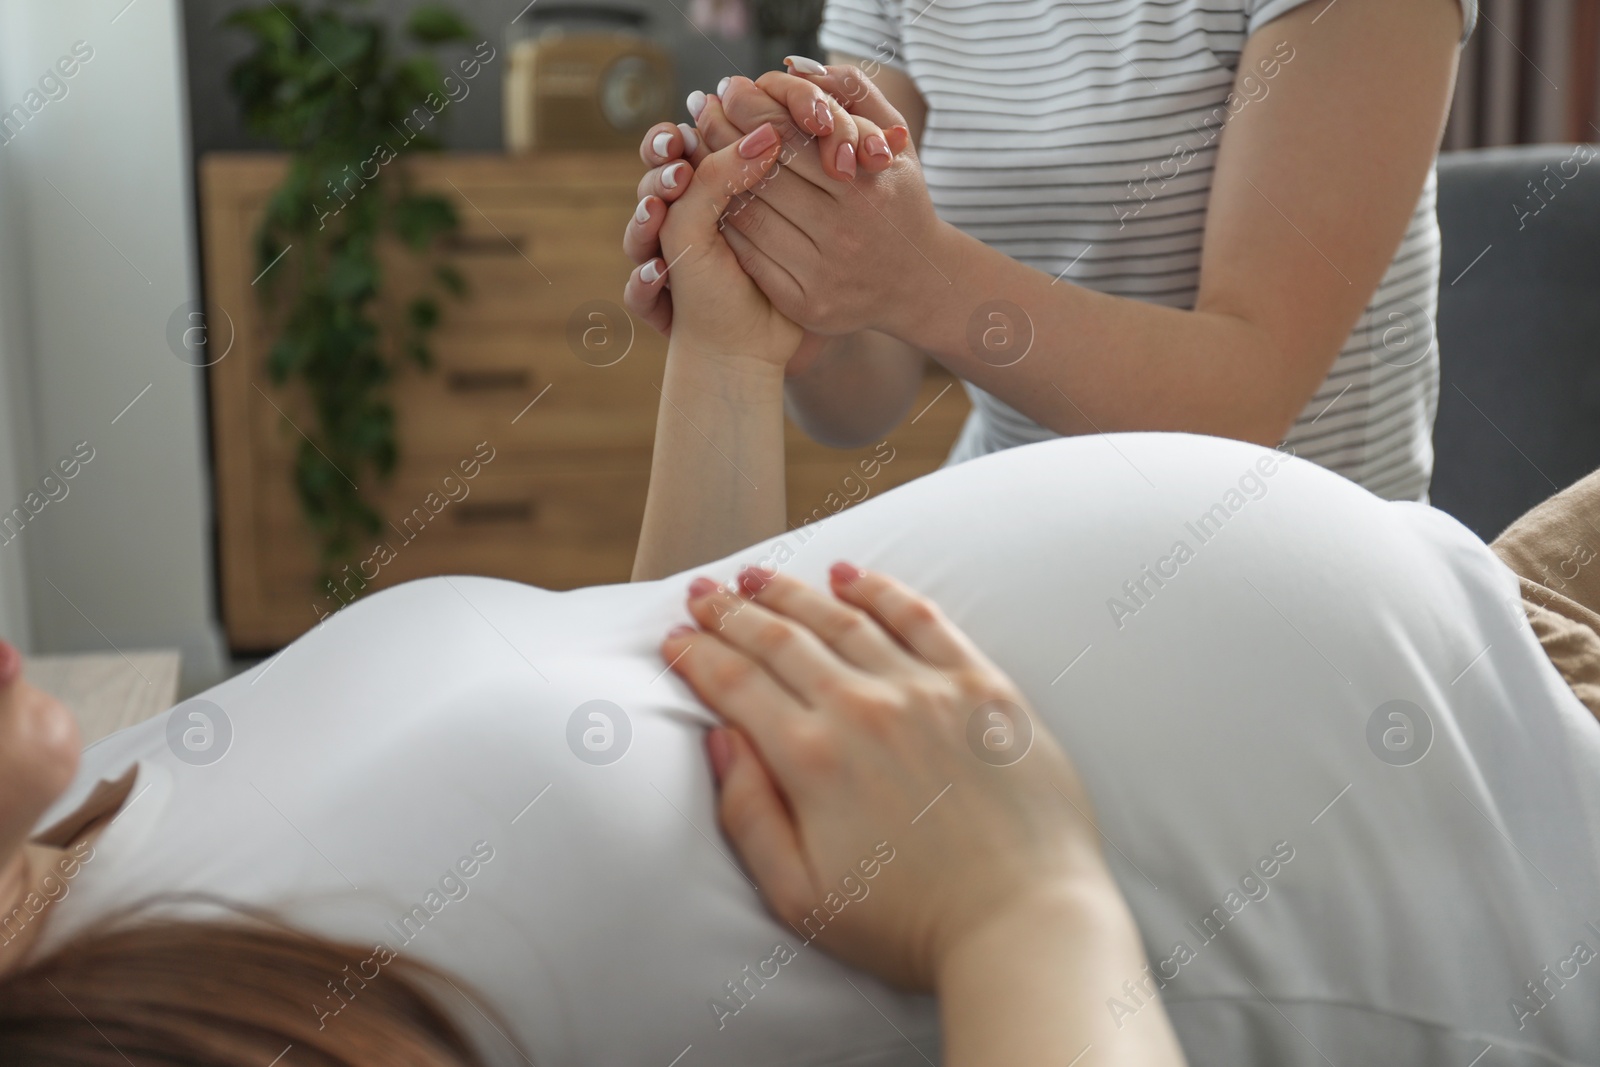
(327, 87)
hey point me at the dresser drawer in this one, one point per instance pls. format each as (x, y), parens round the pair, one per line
(556, 526)
(524, 267)
(522, 391)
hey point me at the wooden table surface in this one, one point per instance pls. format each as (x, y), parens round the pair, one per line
(111, 691)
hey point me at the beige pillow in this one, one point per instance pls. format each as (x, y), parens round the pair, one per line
(1555, 550)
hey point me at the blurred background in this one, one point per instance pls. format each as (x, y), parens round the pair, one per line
(1528, 74)
(292, 350)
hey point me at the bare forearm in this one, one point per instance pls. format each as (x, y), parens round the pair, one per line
(1079, 361)
(716, 475)
(859, 388)
(1032, 988)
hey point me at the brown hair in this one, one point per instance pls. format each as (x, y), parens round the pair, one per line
(219, 994)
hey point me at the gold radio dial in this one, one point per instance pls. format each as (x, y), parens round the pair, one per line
(632, 93)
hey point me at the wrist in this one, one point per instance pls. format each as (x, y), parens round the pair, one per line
(1026, 987)
(922, 301)
(736, 374)
(751, 363)
(1039, 930)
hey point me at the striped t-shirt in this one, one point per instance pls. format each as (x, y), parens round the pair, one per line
(1079, 137)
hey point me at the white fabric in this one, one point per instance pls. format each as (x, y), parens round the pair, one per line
(1219, 718)
(1080, 136)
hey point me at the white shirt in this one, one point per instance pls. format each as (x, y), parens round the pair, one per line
(1226, 703)
(1080, 137)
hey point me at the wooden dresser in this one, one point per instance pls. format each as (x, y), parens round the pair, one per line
(568, 417)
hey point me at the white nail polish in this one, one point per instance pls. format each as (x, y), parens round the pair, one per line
(722, 86)
(804, 65)
(649, 272)
(691, 139)
(696, 103)
(642, 212)
(662, 142)
(669, 177)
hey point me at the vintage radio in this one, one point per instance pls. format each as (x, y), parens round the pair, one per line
(584, 78)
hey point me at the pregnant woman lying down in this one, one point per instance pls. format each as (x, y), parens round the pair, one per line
(1128, 750)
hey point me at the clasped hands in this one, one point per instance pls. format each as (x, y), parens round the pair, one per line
(829, 234)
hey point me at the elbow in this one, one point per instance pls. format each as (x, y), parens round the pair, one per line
(857, 430)
(1268, 428)
(1290, 391)
(845, 438)
(1269, 416)
(1276, 382)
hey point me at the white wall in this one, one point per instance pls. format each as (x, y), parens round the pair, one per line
(16, 437)
(97, 189)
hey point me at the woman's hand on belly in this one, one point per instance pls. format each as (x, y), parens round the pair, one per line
(876, 753)
(886, 786)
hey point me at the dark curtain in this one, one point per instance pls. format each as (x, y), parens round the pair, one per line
(1528, 75)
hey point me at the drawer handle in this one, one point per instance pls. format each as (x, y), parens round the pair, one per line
(485, 381)
(484, 244)
(487, 512)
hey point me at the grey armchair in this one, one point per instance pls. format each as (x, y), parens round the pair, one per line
(1518, 329)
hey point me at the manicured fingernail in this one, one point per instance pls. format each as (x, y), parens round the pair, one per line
(720, 751)
(804, 65)
(822, 115)
(898, 137)
(876, 147)
(845, 160)
(754, 579)
(10, 663)
(755, 143)
(680, 630)
(691, 139)
(661, 143)
(673, 174)
(846, 572)
(642, 212)
(722, 86)
(702, 587)
(696, 103)
(650, 272)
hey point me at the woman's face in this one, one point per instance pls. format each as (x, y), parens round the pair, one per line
(39, 746)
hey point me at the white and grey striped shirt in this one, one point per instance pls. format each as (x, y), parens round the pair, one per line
(1079, 137)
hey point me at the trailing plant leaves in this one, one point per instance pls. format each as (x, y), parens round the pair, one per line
(419, 353)
(451, 279)
(291, 207)
(417, 79)
(271, 26)
(286, 357)
(352, 275)
(267, 249)
(433, 24)
(420, 218)
(424, 313)
(342, 44)
(327, 88)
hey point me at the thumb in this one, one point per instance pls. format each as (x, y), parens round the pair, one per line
(720, 177)
(756, 819)
(847, 84)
